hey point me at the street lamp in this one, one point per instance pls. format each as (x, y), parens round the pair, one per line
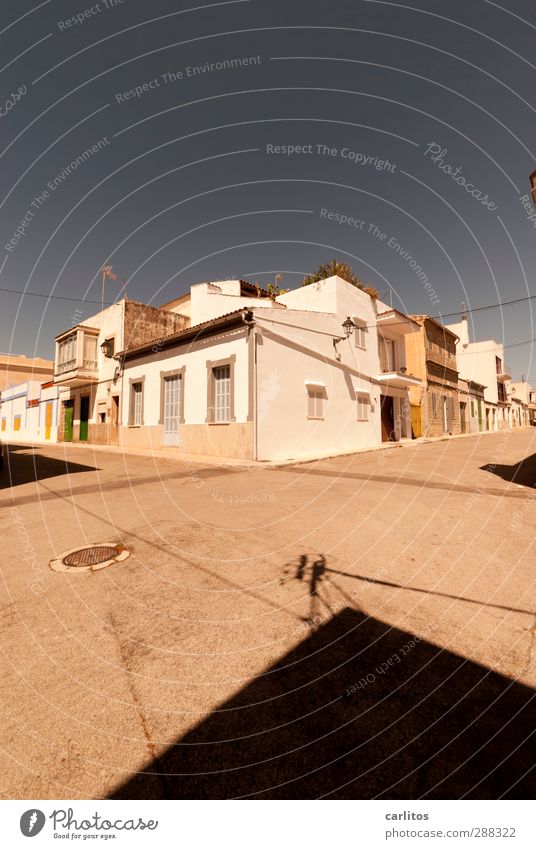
(107, 348)
(348, 326)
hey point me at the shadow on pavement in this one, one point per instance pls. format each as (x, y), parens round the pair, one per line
(522, 473)
(21, 467)
(356, 710)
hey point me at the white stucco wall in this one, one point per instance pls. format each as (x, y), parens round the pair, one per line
(193, 356)
(32, 418)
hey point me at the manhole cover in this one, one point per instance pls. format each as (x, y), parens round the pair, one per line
(90, 558)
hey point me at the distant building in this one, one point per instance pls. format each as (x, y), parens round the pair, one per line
(29, 412)
(483, 363)
(18, 368)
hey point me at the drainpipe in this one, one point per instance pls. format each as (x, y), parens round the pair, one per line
(248, 319)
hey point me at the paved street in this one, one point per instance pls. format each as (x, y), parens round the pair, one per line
(356, 626)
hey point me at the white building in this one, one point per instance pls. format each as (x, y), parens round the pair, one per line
(29, 412)
(267, 379)
(87, 373)
(483, 363)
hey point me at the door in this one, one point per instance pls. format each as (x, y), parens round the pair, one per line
(445, 414)
(114, 420)
(84, 417)
(416, 421)
(388, 424)
(172, 398)
(463, 426)
(48, 418)
(68, 415)
(479, 414)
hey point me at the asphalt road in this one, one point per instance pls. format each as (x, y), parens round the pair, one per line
(355, 627)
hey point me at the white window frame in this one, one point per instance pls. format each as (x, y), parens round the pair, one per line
(316, 395)
(360, 333)
(136, 402)
(222, 394)
(387, 352)
(363, 406)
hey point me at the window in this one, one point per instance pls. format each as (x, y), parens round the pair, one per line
(136, 403)
(363, 404)
(66, 354)
(387, 354)
(315, 402)
(90, 351)
(222, 393)
(434, 404)
(360, 333)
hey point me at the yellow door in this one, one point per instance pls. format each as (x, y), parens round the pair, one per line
(48, 419)
(416, 420)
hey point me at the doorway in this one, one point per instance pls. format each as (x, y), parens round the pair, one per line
(387, 417)
(114, 420)
(172, 404)
(463, 425)
(48, 418)
(68, 417)
(84, 418)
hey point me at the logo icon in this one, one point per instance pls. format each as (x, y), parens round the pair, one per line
(31, 822)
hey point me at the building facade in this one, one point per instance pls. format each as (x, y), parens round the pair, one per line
(87, 374)
(29, 412)
(19, 369)
(431, 355)
(316, 370)
(483, 362)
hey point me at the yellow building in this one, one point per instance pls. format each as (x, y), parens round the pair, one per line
(431, 356)
(18, 368)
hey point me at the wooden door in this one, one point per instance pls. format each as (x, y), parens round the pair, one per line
(416, 421)
(48, 418)
(114, 420)
(68, 416)
(388, 424)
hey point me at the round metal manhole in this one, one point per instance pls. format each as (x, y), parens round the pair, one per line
(90, 558)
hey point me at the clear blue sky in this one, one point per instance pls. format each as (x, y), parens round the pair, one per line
(183, 187)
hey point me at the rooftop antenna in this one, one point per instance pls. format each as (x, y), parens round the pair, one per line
(463, 307)
(106, 272)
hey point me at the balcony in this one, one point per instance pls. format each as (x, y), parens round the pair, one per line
(504, 372)
(398, 378)
(76, 361)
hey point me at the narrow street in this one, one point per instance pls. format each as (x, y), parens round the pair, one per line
(268, 606)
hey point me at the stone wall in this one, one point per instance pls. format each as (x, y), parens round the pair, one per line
(144, 323)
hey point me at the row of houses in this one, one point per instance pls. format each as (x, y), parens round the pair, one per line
(229, 370)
